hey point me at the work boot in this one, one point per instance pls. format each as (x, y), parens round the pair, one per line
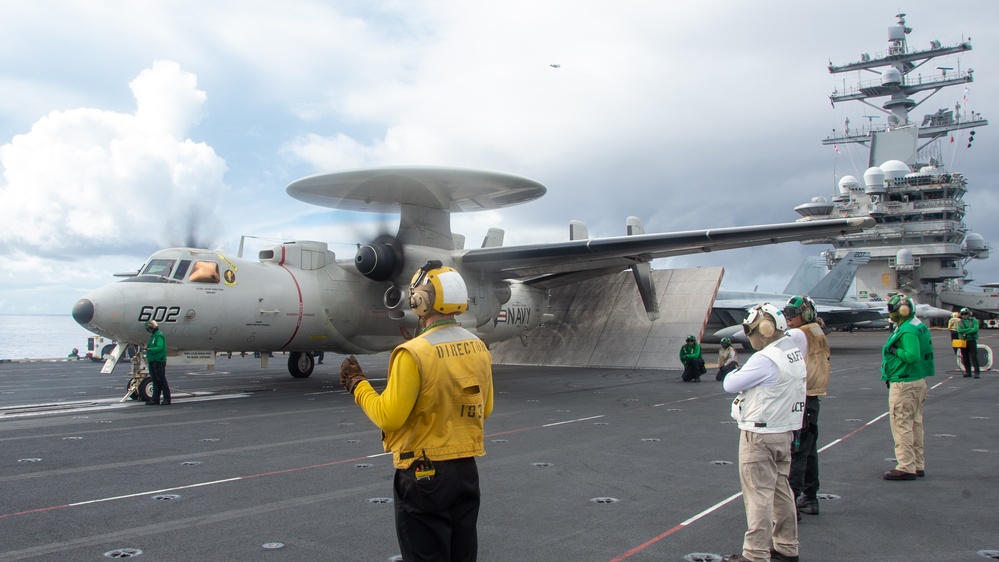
(920, 472)
(736, 558)
(807, 505)
(780, 557)
(898, 475)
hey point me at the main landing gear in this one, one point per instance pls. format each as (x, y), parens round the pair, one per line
(301, 365)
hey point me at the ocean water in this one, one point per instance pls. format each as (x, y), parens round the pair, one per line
(40, 336)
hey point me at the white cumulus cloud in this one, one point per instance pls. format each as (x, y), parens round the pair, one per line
(96, 182)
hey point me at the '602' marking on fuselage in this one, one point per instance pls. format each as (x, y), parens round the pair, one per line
(159, 313)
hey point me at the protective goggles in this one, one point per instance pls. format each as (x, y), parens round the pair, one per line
(791, 312)
(796, 306)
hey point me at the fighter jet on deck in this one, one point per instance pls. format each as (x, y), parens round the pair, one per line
(829, 293)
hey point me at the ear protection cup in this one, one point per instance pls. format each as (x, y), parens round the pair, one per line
(904, 310)
(767, 329)
(420, 302)
(808, 315)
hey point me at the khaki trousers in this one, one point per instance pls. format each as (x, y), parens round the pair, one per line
(771, 517)
(905, 405)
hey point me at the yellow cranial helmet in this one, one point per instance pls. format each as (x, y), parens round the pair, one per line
(439, 289)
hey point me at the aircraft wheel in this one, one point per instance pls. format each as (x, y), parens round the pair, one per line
(146, 388)
(300, 365)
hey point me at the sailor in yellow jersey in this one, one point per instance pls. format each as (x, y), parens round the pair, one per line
(439, 392)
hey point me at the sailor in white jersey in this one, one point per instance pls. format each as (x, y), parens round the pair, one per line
(769, 407)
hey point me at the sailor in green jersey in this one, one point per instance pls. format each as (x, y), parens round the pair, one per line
(907, 359)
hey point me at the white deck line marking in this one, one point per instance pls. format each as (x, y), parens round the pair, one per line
(572, 421)
(712, 508)
(198, 485)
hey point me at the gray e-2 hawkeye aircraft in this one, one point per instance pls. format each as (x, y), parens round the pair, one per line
(297, 297)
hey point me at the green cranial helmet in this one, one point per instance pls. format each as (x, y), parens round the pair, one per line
(800, 306)
(901, 306)
(726, 341)
(691, 338)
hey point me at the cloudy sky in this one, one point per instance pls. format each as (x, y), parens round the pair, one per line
(126, 126)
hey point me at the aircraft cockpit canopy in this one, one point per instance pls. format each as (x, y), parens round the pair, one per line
(199, 270)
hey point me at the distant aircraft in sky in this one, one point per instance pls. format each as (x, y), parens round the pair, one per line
(299, 298)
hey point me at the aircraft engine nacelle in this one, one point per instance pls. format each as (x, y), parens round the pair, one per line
(380, 260)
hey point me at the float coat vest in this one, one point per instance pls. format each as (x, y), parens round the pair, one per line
(776, 408)
(447, 419)
(816, 361)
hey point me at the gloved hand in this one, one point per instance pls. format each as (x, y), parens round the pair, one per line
(351, 373)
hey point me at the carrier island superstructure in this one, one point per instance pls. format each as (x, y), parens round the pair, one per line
(921, 243)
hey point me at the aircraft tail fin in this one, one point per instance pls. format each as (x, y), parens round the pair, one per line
(837, 282)
(494, 238)
(807, 276)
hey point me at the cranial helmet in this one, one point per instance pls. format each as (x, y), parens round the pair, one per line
(726, 341)
(965, 311)
(900, 306)
(955, 315)
(800, 306)
(437, 289)
(151, 326)
(691, 337)
(766, 319)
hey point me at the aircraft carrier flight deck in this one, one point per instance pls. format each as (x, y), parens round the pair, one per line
(582, 464)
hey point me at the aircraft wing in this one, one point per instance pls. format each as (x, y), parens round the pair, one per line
(566, 262)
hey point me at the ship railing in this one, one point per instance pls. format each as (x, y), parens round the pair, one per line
(965, 120)
(943, 204)
(907, 80)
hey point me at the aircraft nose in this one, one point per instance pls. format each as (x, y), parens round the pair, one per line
(83, 311)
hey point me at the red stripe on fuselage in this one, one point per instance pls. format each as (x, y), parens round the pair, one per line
(301, 305)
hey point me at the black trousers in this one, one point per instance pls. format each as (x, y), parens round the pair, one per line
(969, 356)
(693, 370)
(725, 370)
(435, 520)
(157, 370)
(804, 476)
